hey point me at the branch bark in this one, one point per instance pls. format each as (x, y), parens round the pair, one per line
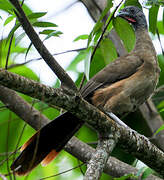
(75, 147)
(129, 140)
(98, 160)
(17, 105)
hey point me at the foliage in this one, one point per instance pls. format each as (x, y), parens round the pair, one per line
(11, 126)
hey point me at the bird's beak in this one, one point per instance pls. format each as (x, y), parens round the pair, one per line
(126, 16)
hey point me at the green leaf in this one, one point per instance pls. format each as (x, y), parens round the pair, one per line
(140, 171)
(153, 13)
(146, 173)
(47, 31)
(44, 24)
(160, 27)
(9, 19)
(126, 177)
(81, 37)
(159, 129)
(6, 6)
(163, 18)
(132, 3)
(81, 56)
(25, 71)
(98, 26)
(55, 34)
(97, 63)
(28, 49)
(125, 31)
(36, 15)
(108, 50)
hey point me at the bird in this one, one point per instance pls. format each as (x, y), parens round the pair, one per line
(121, 87)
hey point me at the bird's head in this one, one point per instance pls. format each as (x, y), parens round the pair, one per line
(134, 15)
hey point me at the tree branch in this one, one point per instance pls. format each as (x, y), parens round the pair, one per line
(17, 105)
(43, 51)
(98, 160)
(75, 147)
(113, 167)
(129, 140)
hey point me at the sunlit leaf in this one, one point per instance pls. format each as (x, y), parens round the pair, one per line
(126, 177)
(54, 34)
(47, 31)
(160, 27)
(44, 24)
(97, 63)
(146, 173)
(98, 26)
(9, 19)
(81, 37)
(108, 50)
(28, 49)
(73, 66)
(160, 129)
(140, 171)
(153, 12)
(36, 15)
(125, 31)
(163, 18)
(132, 3)
(6, 6)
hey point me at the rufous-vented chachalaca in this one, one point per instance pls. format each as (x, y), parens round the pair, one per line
(119, 88)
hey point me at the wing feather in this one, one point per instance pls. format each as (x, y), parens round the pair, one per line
(121, 68)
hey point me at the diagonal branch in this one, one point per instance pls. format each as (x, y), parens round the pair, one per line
(17, 105)
(129, 140)
(43, 51)
(75, 147)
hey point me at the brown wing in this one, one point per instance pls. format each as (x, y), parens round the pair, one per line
(121, 68)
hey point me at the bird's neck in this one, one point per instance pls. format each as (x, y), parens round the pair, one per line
(143, 41)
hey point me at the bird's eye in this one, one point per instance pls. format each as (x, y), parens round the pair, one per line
(132, 11)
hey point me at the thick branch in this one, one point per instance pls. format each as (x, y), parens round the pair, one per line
(113, 167)
(43, 51)
(154, 121)
(98, 160)
(129, 140)
(16, 104)
(75, 147)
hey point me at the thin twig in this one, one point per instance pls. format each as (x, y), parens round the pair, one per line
(99, 41)
(102, 35)
(37, 59)
(62, 172)
(43, 51)
(160, 41)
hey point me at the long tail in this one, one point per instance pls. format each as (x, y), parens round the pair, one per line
(44, 146)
